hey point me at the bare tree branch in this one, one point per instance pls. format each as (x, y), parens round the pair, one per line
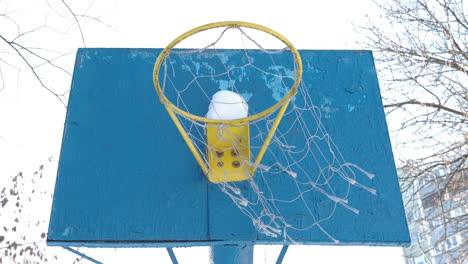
(11, 44)
(423, 59)
(76, 20)
(437, 106)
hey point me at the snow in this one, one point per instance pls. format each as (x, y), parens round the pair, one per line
(227, 105)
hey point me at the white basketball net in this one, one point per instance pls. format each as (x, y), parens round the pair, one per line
(302, 157)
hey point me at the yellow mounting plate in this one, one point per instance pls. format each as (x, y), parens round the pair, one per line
(228, 153)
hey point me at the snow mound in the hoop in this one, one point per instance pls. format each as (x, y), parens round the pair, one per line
(227, 105)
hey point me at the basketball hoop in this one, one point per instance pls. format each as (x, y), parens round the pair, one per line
(227, 141)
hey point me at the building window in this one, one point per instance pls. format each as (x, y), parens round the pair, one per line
(428, 179)
(453, 241)
(441, 172)
(413, 215)
(458, 211)
(439, 248)
(450, 243)
(429, 201)
(420, 236)
(416, 238)
(435, 223)
(420, 260)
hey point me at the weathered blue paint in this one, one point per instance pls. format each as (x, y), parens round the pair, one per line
(281, 255)
(232, 254)
(82, 255)
(127, 179)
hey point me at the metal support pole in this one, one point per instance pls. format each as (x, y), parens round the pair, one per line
(82, 255)
(232, 254)
(172, 255)
(281, 255)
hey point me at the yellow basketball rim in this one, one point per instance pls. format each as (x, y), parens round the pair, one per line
(232, 24)
(212, 169)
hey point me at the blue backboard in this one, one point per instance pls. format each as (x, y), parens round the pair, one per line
(127, 179)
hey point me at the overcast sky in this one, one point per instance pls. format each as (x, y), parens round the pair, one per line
(31, 120)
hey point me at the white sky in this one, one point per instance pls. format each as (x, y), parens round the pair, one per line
(31, 120)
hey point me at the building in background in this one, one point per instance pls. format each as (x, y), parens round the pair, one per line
(437, 218)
